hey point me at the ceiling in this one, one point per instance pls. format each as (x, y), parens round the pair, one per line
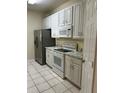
(46, 5)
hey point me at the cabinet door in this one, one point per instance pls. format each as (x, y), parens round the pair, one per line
(68, 16)
(68, 67)
(48, 22)
(61, 16)
(76, 69)
(76, 74)
(54, 26)
(50, 58)
(78, 21)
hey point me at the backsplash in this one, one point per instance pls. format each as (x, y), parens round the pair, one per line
(61, 41)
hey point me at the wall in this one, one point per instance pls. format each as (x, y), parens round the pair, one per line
(66, 4)
(33, 22)
(70, 2)
(61, 41)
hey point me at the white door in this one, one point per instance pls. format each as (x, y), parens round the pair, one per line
(90, 28)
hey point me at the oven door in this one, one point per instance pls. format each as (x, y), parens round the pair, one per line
(58, 61)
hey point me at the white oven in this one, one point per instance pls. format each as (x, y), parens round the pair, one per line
(58, 61)
(59, 58)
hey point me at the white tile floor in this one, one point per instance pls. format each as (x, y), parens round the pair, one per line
(41, 79)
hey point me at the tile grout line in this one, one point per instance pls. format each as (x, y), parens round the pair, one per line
(68, 89)
(55, 84)
(34, 82)
(50, 79)
(46, 81)
(33, 79)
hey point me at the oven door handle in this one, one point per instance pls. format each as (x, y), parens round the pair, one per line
(56, 53)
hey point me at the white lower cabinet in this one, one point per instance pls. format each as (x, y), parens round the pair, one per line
(68, 67)
(76, 76)
(49, 57)
(73, 69)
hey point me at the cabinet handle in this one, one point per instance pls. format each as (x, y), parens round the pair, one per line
(83, 61)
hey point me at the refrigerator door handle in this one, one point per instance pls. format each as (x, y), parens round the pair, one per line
(36, 42)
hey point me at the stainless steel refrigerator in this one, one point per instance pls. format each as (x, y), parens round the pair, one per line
(42, 39)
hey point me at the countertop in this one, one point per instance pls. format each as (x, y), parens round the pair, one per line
(75, 54)
(53, 47)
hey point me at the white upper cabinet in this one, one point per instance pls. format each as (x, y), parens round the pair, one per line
(78, 21)
(68, 16)
(47, 22)
(61, 16)
(71, 17)
(50, 24)
(44, 23)
(54, 25)
(65, 17)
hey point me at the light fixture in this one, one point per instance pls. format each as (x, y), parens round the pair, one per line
(32, 1)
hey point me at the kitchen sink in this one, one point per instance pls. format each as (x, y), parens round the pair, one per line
(63, 50)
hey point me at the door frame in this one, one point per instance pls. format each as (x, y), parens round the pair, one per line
(94, 84)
